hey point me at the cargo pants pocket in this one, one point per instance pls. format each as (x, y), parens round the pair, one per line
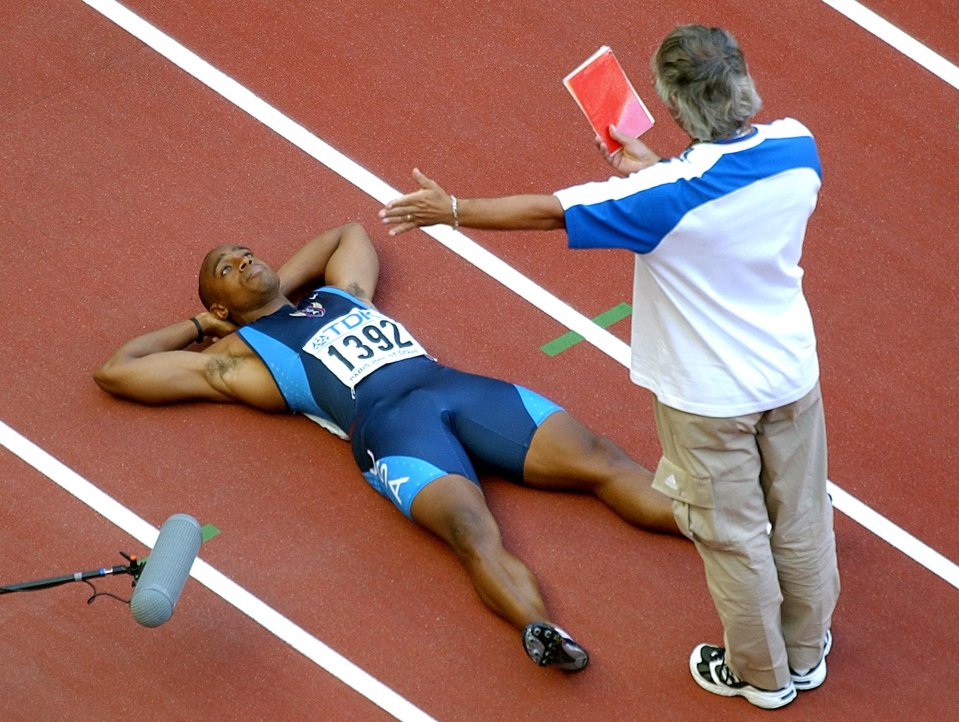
(690, 495)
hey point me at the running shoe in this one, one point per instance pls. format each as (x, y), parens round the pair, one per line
(708, 667)
(549, 646)
(817, 675)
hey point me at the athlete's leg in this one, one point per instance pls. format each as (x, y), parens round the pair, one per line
(564, 454)
(453, 508)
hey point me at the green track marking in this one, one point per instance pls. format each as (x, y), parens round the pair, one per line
(604, 320)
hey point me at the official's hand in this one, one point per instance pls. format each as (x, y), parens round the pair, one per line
(425, 207)
(633, 156)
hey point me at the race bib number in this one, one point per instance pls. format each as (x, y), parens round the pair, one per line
(356, 345)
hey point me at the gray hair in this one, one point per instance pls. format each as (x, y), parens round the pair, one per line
(700, 73)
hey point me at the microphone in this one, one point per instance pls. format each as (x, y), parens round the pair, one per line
(166, 570)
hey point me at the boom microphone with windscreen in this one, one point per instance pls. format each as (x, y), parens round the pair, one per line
(166, 570)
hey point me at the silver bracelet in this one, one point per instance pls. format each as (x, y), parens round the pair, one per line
(456, 215)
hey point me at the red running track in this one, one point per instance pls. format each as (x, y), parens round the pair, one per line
(120, 171)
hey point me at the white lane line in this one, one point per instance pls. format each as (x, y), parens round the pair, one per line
(215, 581)
(299, 136)
(904, 43)
(468, 249)
(895, 535)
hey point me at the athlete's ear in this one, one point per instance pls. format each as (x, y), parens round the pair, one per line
(220, 311)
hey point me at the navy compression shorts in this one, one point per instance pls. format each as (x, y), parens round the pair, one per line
(440, 426)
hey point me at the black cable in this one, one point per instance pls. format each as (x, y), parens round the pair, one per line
(102, 594)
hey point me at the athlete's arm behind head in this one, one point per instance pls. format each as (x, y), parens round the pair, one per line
(343, 257)
(152, 368)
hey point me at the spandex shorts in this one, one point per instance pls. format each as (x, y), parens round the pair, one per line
(442, 424)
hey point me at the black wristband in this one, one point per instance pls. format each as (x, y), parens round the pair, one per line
(199, 330)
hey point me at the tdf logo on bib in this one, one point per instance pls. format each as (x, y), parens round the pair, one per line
(358, 343)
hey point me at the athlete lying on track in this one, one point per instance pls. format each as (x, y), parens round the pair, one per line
(415, 425)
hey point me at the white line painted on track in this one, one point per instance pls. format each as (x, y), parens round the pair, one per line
(482, 259)
(215, 581)
(904, 43)
(299, 136)
(895, 535)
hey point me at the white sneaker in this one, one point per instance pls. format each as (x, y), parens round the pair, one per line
(708, 666)
(817, 675)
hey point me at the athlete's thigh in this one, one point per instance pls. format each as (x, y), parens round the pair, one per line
(564, 454)
(403, 446)
(496, 421)
(453, 507)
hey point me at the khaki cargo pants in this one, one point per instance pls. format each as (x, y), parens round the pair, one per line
(730, 479)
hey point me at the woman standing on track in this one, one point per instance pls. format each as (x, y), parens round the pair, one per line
(723, 338)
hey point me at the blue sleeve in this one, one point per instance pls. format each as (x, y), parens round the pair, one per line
(612, 215)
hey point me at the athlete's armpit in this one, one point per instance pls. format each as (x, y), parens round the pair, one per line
(243, 378)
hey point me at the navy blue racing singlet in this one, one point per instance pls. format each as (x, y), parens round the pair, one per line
(323, 354)
(410, 419)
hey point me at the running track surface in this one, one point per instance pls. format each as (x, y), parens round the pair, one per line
(120, 171)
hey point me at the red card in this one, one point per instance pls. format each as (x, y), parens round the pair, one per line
(604, 94)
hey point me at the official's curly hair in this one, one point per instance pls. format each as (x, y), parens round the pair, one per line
(700, 73)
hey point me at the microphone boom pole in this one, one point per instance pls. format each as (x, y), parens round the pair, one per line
(134, 569)
(155, 594)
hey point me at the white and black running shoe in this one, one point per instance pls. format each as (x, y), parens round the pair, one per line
(708, 667)
(817, 675)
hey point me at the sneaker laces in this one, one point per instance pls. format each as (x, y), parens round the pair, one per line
(727, 677)
(715, 667)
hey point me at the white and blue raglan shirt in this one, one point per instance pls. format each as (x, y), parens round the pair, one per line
(720, 324)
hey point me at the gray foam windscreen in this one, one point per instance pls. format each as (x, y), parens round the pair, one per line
(166, 570)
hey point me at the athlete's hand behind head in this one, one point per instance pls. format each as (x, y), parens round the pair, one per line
(215, 328)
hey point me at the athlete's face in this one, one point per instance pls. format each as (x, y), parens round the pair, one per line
(237, 280)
